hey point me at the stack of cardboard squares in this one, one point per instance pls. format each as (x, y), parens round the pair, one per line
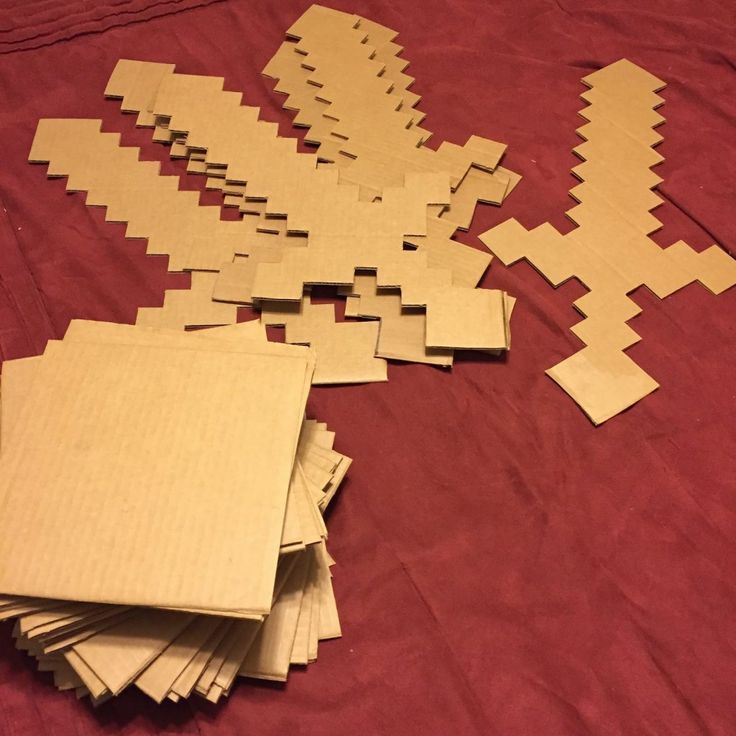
(162, 498)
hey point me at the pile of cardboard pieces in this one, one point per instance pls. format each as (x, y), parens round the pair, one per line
(374, 200)
(162, 499)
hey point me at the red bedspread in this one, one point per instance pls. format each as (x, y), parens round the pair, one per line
(503, 566)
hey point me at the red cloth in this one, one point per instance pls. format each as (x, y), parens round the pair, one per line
(503, 566)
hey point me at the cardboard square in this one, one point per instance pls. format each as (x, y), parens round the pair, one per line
(79, 439)
(481, 312)
(602, 381)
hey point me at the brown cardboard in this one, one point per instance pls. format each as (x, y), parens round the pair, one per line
(313, 591)
(301, 647)
(609, 251)
(65, 678)
(221, 673)
(314, 494)
(116, 659)
(55, 613)
(92, 625)
(107, 363)
(251, 330)
(24, 606)
(292, 533)
(185, 682)
(345, 350)
(485, 308)
(387, 54)
(378, 146)
(207, 677)
(334, 485)
(19, 374)
(311, 530)
(181, 308)
(602, 380)
(245, 338)
(235, 281)
(239, 639)
(402, 329)
(193, 307)
(369, 234)
(87, 615)
(247, 633)
(467, 265)
(137, 87)
(94, 684)
(27, 629)
(194, 237)
(157, 679)
(16, 380)
(270, 655)
(180, 106)
(146, 635)
(329, 621)
(479, 185)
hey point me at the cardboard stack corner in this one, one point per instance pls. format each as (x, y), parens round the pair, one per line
(162, 498)
(373, 199)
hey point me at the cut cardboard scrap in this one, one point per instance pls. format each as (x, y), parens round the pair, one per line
(478, 185)
(234, 283)
(193, 236)
(192, 307)
(610, 251)
(153, 648)
(345, 350)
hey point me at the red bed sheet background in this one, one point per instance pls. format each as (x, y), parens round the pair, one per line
(503, 566)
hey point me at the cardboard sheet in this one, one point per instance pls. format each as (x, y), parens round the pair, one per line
(610, 251)
(131, 571)
(193, 307)
(345, 350)
(133, 191)
(101, 649)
